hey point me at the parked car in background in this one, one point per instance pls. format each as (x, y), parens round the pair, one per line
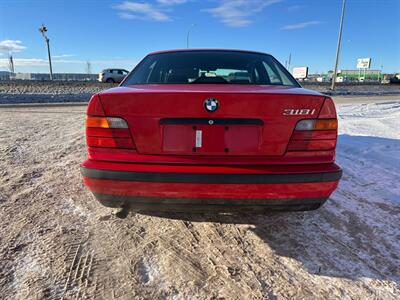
(215, 130)
(112, 75)
(395, 79)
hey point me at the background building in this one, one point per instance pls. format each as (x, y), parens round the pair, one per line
(4, 75)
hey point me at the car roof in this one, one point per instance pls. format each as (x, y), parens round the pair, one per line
(206, 49)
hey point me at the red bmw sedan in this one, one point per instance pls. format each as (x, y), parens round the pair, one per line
(219, 130)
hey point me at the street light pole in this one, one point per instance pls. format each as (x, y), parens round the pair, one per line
(43, 31)
(188, 33)
(338, 46)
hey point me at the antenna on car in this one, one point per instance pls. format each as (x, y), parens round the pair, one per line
(188, 33)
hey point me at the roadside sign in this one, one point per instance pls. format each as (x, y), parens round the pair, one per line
(363, 63)
(300, 72)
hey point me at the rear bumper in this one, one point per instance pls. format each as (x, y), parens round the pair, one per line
(208, 205)
(226, 188)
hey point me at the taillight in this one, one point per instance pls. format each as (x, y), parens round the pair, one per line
(105, 122)
(317, 124)
(108, 132)
(316, 134)
(113, 142)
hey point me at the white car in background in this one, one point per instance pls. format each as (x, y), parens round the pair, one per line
(112, 75)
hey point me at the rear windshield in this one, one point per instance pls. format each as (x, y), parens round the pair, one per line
(223, 67)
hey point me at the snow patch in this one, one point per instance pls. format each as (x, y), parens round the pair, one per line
(369, 148)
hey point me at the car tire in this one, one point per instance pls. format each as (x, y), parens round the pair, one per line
(110, 80)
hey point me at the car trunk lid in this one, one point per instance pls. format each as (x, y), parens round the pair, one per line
(173, 120)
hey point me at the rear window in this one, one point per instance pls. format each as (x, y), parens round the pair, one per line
(222, 67)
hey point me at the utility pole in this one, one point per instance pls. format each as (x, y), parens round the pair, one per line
(11, 64)
(43, 31)
(88, 68)
(289, 61)
(188, 33)
(338, 46)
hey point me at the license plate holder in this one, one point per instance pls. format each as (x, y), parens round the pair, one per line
(211, 138)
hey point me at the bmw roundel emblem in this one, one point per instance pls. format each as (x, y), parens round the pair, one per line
(211, 104)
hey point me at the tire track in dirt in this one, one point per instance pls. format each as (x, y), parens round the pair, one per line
(79, 263)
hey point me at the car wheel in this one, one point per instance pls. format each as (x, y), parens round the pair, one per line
(110, 80)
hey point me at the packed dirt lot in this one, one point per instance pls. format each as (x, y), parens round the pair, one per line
(57, 242)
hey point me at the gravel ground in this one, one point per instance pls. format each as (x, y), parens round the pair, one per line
(52, 88)
(47, 92)
(73, 91)
(57, 241)
(351, 89)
